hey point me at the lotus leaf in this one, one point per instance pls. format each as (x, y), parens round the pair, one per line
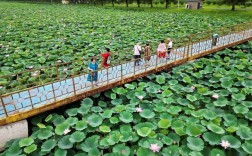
(60, 152)
(126, 117)
(104, 129)
(114, 120)
(194, 153)
(26, 142)
(215, 152)
(191, 98)
(89, 143)
(238, 97)
(216, 129)
(195, 144)
(30, 149)
(72, 112)
(81, 125)
(87, 101)
(44, 134)
(114, 137)
(174, 109)
(143, 131)
(164, 123)
(65, 143)
(48, 145)
(116, 102)
(96, 109)
(244, 133)
(148, 114)
(247, 146)
(121, 149)
(129, 86)
(77, 136)
(234, 142)
(160, 79)
(71, 121)
(144, 152)
(240, 109)
(94, 120)
(212, 138)
(168, 100)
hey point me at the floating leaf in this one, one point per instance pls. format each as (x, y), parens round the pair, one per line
(30, 149)
(191, 98)
(216, 129)
(147, 114)
(126, 117)
(144, 131)
(26, 142)
(77, 136)
(95, 120)
(234, 142)
(195, 144)
(65, 143)
(48, 145)
(104, 129)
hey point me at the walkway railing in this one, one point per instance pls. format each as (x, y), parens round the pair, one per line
(38, 90)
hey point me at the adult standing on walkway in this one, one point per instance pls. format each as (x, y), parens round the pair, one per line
(147, 53)
(161, 50)
(137, 53)
(169, 47)
(93, 74)
(106, 58)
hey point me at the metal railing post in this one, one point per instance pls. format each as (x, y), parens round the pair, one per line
(188, 47)
(121, 70)
(73, 85)
(5, 110)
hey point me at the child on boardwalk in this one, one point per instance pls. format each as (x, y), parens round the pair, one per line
(93, 74)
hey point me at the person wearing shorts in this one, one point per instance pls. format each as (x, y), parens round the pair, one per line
(161, 50)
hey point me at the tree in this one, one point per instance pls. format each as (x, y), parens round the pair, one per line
(234, 3)
(167, 3)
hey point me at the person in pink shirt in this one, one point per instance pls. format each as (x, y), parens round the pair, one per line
(161, 50)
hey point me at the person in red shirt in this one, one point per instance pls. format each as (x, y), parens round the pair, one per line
(105, 56)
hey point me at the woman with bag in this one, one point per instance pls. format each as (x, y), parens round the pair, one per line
(106, 58)
(93, 73)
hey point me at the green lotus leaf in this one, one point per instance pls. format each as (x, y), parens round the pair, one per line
(247, 83)
(244, 133)
(95, 120)
(232, 129)
(173, 150)
(107, 113)
(146, 113)
(114, 137)
(227, 84)
(198, 113)
(230, 119)
(202, 91)
(194, 153)
(96, 109)
(234, 142)
(224, 93)
(247, 147)
(183, 102)
(144, 131)
(166, 140)
(114, 120)
(140, 94)
(195, 144)
(167, 93)
(121, 150)
(240, 109)
(212, 138)
(164, 123)
(221, 102)
(113, 96)
(249, 115)
(84, 109)
(174, 109)
(125, 129)
(60, 128)
(120, 90)
(94, 151)
(215, 152)
(175, 137)
(116, 102)
(238, 97)
(81, 154)
(102, 104)
(72, 112)
(168, 100)
(187, 79)
(145, 124)
(193, 130)
(126, 137)
(104, 129)
(216, 129)
(89, 143)
(130, 86)
(146, 142)
(160, 79)
(30, 149)
(210, 115)
(177, 123)
(144, 152)
(126, 117)
(87, 101)
(81, 125)
(247, 104)
(191, 98)
(26, 142)
(71, 121)
(60, 152)
(104, 142)
(48, 118)
(44, 134)
(173, 82)
(77, 136)
(40, 125)
(65, 143)
(48, 145)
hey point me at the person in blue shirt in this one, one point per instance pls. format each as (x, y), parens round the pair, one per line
(93, 75)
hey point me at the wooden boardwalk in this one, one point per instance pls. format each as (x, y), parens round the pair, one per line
(20, 105)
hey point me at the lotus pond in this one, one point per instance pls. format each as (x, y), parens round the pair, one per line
(36, 35)
(202, 108)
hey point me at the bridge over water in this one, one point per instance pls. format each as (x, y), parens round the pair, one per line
(21, 104)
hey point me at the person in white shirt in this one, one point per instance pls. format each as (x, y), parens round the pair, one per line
(137, 53)
(161, 50)
(169, 47)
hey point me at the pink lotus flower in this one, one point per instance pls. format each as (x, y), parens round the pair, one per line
(35, 74)
(193, 88)
(216, 96)
(225, 144)
(59, 61)
(159, 91)
(1, 87)
(123, 151)
(65, 69)
(140, 97)
(66, 131)
(30, 67)
(250, 77)
(155, 148)
(139, 109)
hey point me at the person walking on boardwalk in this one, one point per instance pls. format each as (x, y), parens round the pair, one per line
(93, 73)
(169, 47)
(215, 39)
(161, 50)
(106, 58)
(147, 53)
(137, 53)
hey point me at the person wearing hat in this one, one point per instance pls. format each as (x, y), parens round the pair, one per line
(137, 53)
